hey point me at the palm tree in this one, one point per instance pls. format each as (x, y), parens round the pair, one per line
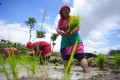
(53, 38)
(31, 22)
(40, 34)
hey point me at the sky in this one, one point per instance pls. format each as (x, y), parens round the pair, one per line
(99, 28)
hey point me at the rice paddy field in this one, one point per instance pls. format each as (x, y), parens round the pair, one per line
(28, 68)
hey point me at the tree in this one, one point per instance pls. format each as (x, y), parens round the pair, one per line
(40, 34)
(3, 40)
(21, 48)
(31, 22)
(113, 52)
(53, 38)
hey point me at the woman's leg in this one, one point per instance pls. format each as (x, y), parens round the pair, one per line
(65, 62)
(84, 65)
(65, 58)
(82, 59)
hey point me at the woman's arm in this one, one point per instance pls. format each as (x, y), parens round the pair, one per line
(59, 31)
(37, 50)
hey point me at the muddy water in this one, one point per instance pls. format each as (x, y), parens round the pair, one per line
(56, 72)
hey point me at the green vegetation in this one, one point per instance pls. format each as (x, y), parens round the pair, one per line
(5, 72)
(53, 38)
(54, 59)
(13, 66)
(74, 23)
(68, 69)
(100, 61)
(92, 63)
(21, 49)
(114, 52)
(116, 61)
(57, 64)
(3, 68)
(31, 22)
(40, 33)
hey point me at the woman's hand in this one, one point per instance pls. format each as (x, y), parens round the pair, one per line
(31, 52)
(62, 32)
(68, 34)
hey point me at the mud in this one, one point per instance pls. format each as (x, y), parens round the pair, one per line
(57, 73)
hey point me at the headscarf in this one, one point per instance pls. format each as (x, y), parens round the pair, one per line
(29, 45)
(63, 6)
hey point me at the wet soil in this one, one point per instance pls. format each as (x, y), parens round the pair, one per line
(110, 73)
(57, 73)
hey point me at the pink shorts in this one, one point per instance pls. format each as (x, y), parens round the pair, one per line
(79, 49)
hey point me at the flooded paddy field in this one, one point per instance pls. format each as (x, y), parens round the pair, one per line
(54, 72)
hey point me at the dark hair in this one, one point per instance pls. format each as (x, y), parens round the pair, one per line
(63, 6)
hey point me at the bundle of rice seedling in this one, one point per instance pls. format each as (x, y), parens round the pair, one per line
(74, 23)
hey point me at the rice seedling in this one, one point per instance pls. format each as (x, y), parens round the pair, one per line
(43, 18)
(3, 69)
(1, 60)
(73, 24)
(43, 61)
(11, 61)
(13, 65)
(41, 34)
(33, 65)
(67, 69)
(100, 61)
(116, 61)
(25, 61)
(44, 66)
(5, 72)
(57, 64)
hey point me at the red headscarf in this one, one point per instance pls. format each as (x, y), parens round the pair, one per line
(63, 6)
(29, 45)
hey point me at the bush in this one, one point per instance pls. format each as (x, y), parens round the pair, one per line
(100, 61)
(92, 63)
(54, 60)
(116, 61)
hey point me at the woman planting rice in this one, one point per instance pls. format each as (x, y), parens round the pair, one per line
(68, 28)
(10, 51)
(41, 49)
